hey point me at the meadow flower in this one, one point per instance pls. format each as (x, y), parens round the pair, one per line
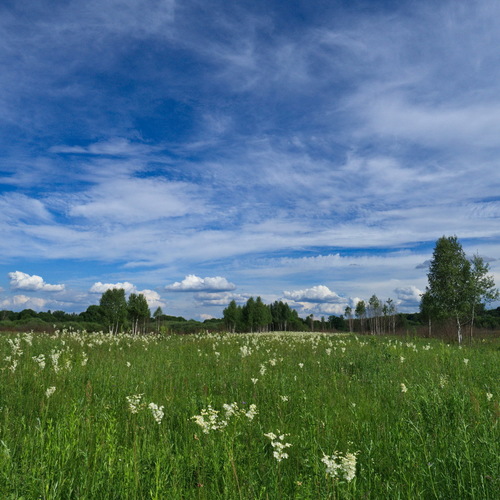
(401, 359)
(245, 351)
(489, 396)
(157, 412)
(301, 365)
(278, 444)
(254, 380)
(340, 466)
(208, 420)
(404, 388)
(50, 391)
(466, 361)
(284, 398)
(40, 360)
(230, 409)
(252, 411)
(134, 403)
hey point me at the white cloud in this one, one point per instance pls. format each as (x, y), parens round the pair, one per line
(192, 283)
(18, 301)
(211, 299)
(408, 297)
(103, 287)
(153, 298)
(18, 207)
(23, 281)
(318, 293)
(131, 200)
(317, 300)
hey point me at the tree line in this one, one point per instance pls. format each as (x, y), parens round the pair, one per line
(457, 293)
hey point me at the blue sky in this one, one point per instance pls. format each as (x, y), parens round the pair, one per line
(200, 151)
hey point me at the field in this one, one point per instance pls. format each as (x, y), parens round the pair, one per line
(305, 416)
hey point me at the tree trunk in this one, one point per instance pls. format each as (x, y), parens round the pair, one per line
(472, 323)
(459, 331)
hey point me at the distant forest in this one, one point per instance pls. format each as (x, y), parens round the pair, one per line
(253, 316)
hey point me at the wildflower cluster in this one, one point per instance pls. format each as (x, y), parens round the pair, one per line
(278, 444)
(340, 466)
(134, 403)
(50, 391)
(157, 412)
(210, 420)
(40, 360)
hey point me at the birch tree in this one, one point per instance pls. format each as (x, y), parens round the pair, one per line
(449, 289)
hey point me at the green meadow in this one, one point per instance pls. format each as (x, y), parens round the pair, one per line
(247, 416)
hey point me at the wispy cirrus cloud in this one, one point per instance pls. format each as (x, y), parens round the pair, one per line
(288, 146)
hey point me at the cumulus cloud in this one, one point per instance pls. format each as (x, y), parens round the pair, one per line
(23, 281)
(103, 287)
(152, 297)
(192, 283)
(408, 296)
(318, 293)
(317, 300)
(25, 302)
(219, 298)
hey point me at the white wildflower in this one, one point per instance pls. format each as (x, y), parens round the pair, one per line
(301, 365)
(252, 411)
(489, 396)
(230, 409)
(50, 391)
(466, 361)
(401, 359)
(157, 412)
(245, 351)
(278, 444)
(340, 466)
(284, 398)
(40, 360)
(404, 388)
(254, 380)
(209, 420)
(134, 403)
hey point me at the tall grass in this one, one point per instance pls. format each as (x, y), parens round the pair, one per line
(420, 416)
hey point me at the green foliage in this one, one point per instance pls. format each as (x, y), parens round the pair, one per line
(456, 285)
(138, 312)
(113, 306)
